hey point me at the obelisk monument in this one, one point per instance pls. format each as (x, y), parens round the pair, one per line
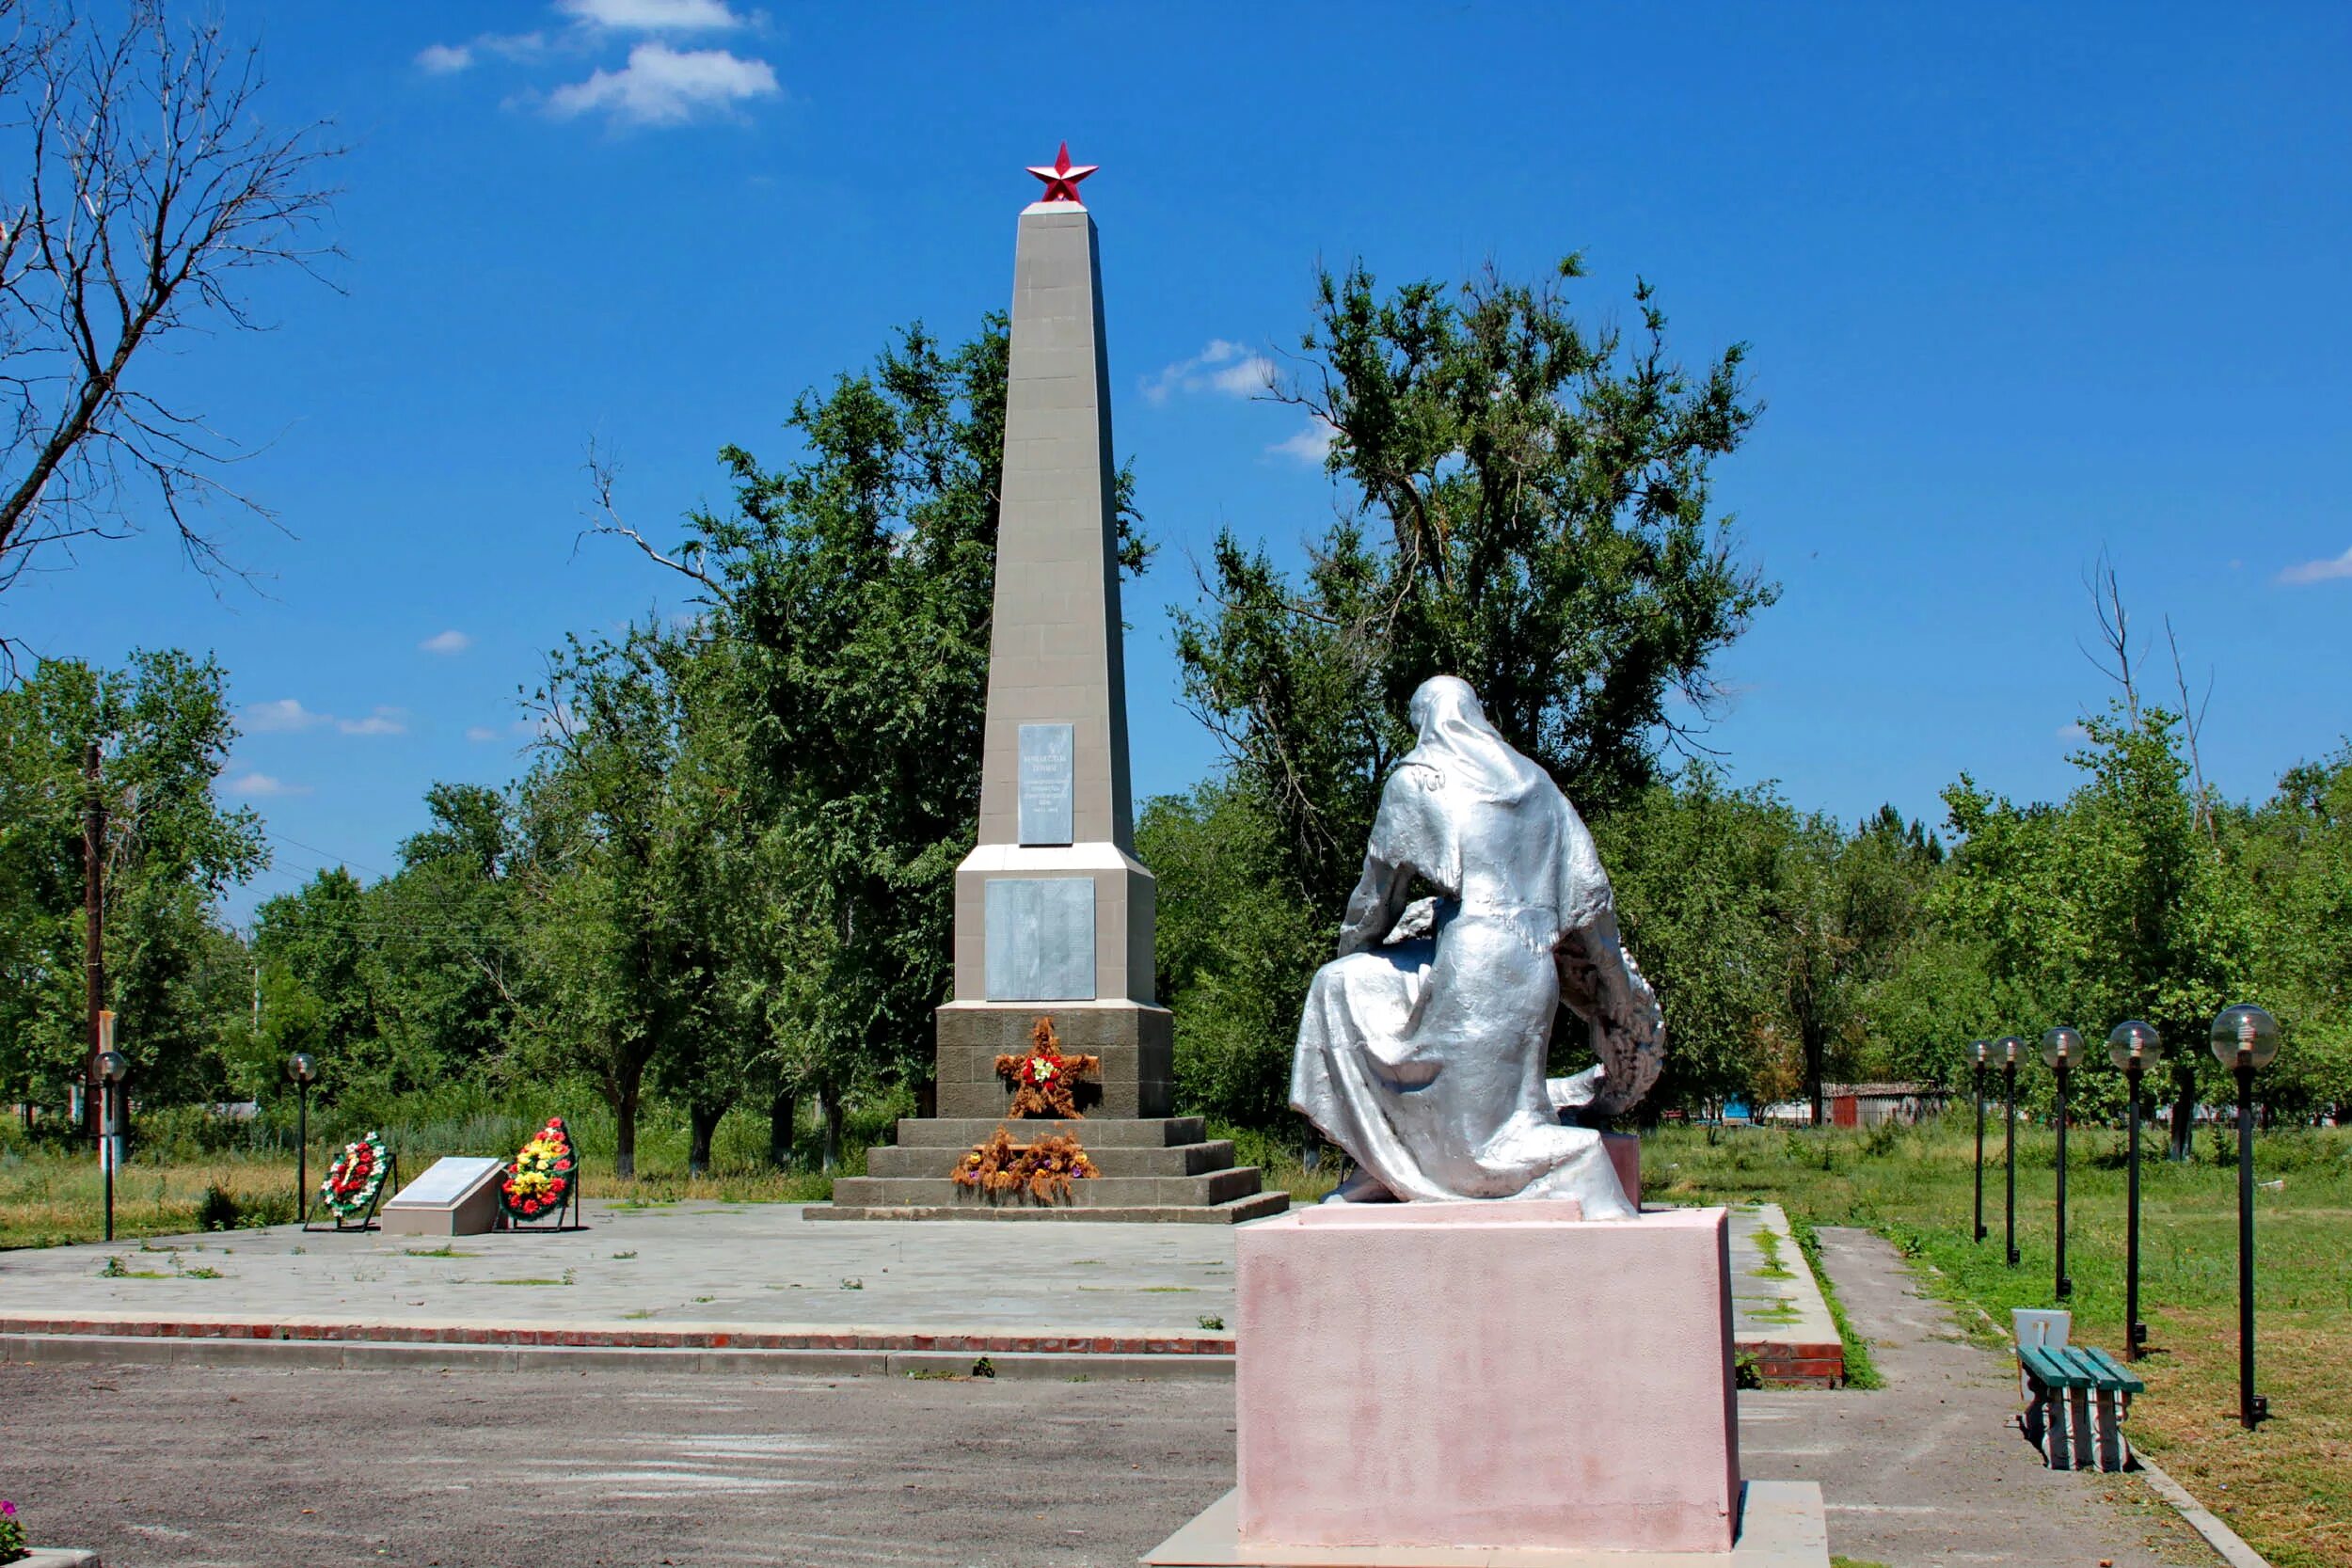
(1052, 906)
(1052, 910)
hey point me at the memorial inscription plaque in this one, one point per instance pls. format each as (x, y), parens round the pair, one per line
(1040, 938)
(1045, 784)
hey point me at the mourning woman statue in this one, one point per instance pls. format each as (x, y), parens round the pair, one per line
(1422, 1050)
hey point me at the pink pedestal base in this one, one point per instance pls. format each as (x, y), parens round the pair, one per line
(1495, 1375)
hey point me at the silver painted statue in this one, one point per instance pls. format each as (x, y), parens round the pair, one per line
(1422, 1049)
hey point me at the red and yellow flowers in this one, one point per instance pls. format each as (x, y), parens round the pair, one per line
(1043, 1080)
(356, 1177)
(540, 1178)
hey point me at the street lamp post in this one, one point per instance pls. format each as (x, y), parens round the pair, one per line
(2135, 1047)
(113, 1067)
(2246, 1037)
(2011, 1047)
(1977, 1050)
(302, 1069)
(2061, 1047)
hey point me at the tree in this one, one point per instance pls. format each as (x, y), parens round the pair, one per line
(1527, 507)
(142, 191)
(2296, 852)
(2108, 906)
(1236, 949)
(854, 587)
(620, 878)
(163, 729)
(1844, 906)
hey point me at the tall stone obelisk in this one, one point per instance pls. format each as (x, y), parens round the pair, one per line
(1054, 913)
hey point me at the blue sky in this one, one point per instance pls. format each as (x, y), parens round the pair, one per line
(2021, 284)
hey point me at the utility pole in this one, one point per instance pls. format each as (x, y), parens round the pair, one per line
(93, 934)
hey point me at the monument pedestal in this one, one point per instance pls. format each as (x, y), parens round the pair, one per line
(1432, 1385)
(1136, 1040)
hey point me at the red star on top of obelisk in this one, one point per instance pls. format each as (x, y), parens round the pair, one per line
(1061, 177)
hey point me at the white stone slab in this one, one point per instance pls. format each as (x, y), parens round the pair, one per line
(447, 1181)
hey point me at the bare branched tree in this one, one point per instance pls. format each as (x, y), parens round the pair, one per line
(138, 191)
(2193, 725)
(2115, 633)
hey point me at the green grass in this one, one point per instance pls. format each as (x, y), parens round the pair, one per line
(2286, 1487)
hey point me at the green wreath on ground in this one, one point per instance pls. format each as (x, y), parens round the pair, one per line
(356, 1177)
(540, 1178)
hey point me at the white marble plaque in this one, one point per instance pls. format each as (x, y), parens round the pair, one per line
(1040, 938)
(446, 1180)
(1046, 775)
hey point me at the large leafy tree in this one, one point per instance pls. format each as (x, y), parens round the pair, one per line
(854, 585)
(1525, 504)
(2114, 905)
(625, 876)
(163, 730)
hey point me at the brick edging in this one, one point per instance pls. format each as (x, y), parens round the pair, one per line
(1816, 1366)
(629, 1339)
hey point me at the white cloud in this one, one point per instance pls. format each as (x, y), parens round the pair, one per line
(1311, 444)
(260, 786)
(283, 717)
(449, 642)
(2072, 732)
(1223, 366)
(384, 721)
(2323, 570)
(653, 16)
(662, 86)
(444, 59)
(479, 733)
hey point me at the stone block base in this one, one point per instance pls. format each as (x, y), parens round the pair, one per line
(1137, 1042)
(1425, 1376)
(1781, 1525)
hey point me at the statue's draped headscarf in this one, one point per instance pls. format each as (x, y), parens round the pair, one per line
(1461, 745)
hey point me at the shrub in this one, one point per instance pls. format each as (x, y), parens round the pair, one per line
(12, 1547)
(219, 1209)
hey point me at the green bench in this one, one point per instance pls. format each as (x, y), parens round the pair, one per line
(2080, 1396)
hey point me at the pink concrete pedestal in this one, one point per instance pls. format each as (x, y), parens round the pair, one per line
(1491, 1376)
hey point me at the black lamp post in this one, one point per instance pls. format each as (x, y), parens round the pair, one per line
(2135, 1047)
(302, 1069)
(1977, 1050)
(2244, 1039)
(2061, 1047)
(113, 1067)
(2011, 1047)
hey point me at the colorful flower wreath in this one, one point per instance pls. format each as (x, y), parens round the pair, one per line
(1043, 1169)
(356, 1177)
(539, 1179)
(1043, 1078)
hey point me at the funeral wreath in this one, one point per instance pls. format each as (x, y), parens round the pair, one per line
(540, 1178)
(356, 1177)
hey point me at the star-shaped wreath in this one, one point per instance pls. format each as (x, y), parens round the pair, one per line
(1043, 1079)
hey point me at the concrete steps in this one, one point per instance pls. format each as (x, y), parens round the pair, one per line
(1095, 1132)
(1200, 1159)
(1219, 1186)
(1255, 1206)
(1152, 1169)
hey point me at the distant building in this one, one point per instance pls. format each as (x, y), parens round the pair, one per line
(1869, 1104)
